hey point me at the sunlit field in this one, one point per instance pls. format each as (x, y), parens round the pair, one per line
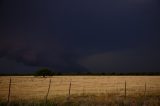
(30, 88)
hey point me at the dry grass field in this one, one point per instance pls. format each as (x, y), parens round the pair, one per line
(36, 88)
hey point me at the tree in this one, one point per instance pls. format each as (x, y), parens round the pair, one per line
(44, 72)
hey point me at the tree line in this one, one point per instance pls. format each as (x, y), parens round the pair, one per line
(47, 72)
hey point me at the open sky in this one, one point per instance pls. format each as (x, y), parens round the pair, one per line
(80, 35)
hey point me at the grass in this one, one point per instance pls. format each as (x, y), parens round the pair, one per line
(83, 91)
(90, 100)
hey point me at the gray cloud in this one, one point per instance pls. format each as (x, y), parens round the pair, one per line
(130, 60)
(80, 35)
(43, 52)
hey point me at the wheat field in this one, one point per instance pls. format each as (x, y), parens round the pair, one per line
(30, 87)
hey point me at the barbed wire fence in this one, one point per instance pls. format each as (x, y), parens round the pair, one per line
(36, 87)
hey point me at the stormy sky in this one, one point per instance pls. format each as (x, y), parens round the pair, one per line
(80, 35)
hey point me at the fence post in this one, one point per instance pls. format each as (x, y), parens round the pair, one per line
(125, 93)
(48, 90)
(69, 91)
(83, 90)
(145, 88)
(9, 91)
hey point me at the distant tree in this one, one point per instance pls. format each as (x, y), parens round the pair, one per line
(44, 72)
(112, 73)
(59, 73)
(89, 73)
(103, 73)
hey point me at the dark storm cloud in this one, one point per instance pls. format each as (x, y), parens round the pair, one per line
(68, 35)
(111, 24)
(10, 66)
(129, 60)
(41, 52)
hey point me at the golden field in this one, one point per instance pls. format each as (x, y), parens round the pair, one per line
(31, 87)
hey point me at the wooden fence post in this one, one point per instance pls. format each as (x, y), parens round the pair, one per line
(145, 88)
(69, 91)
(48, 90)
(125, 92)
(83, 90)
(9, 92)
